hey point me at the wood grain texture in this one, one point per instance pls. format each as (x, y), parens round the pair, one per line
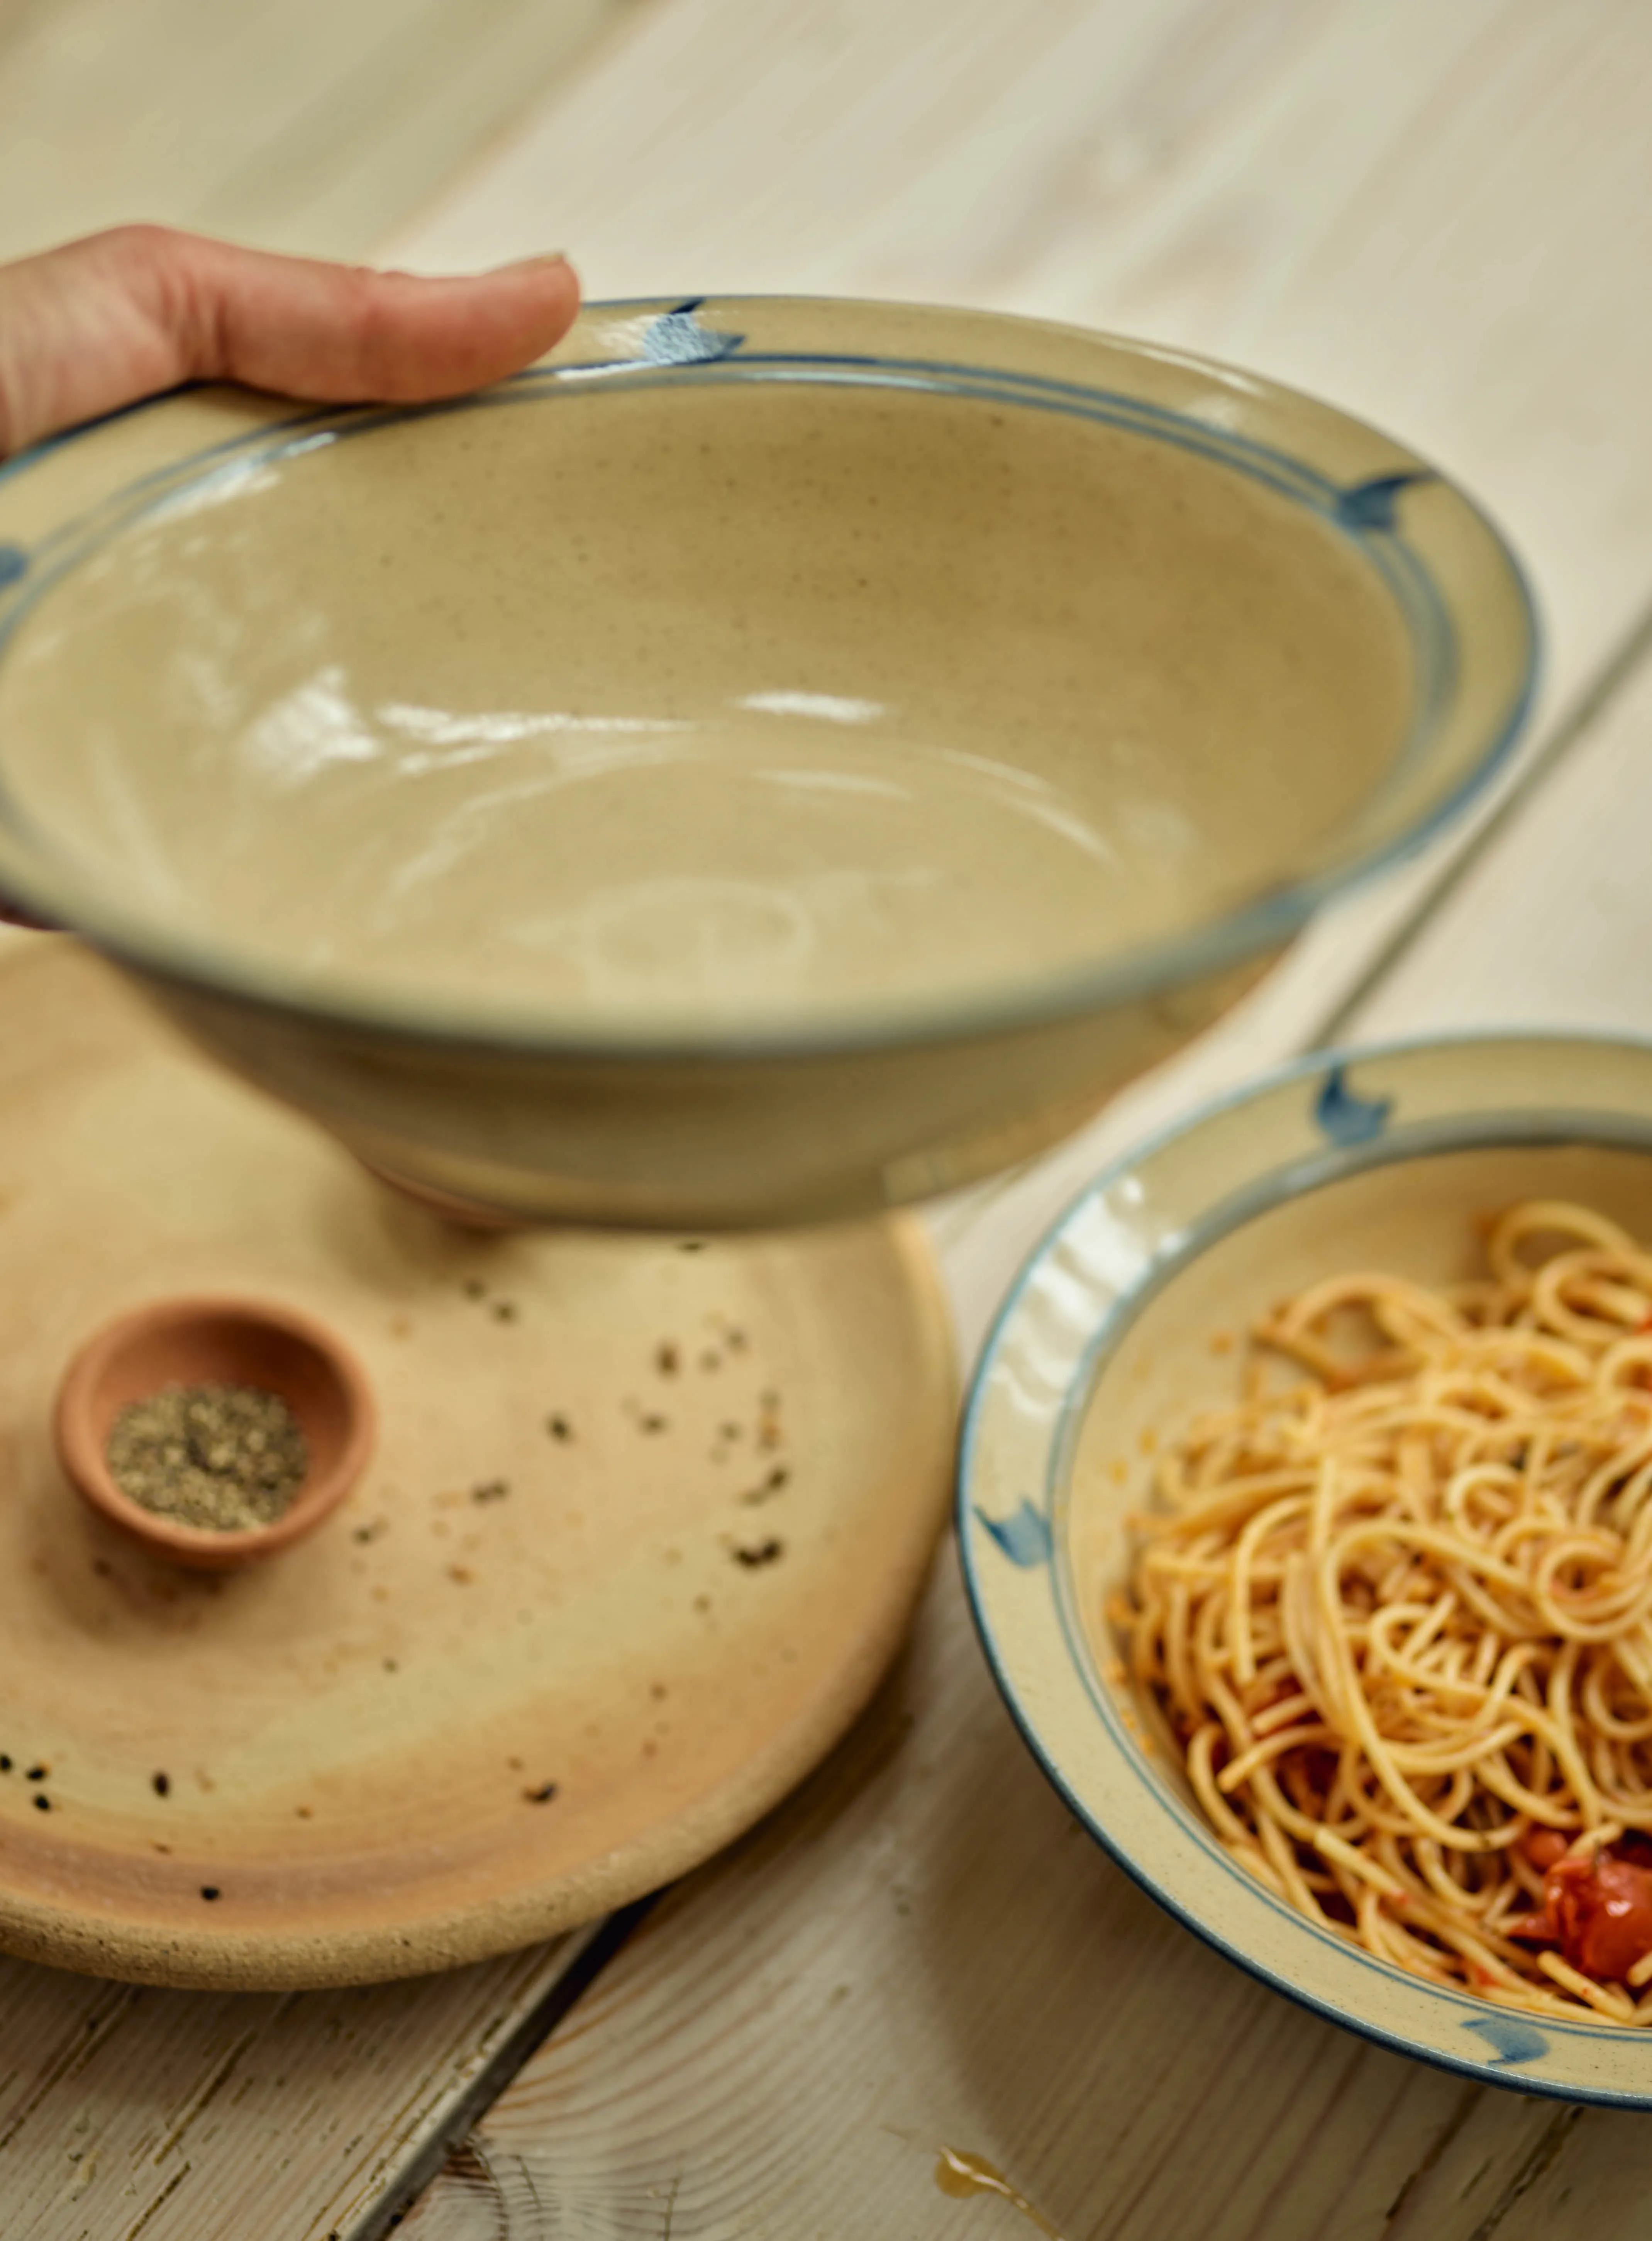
(1570, 881)
(312, 125)
(195, 2116)
(923, 1952)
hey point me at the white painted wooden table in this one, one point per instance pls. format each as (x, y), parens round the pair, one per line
(1441, 217)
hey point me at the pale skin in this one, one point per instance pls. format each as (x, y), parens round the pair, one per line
(127, 314)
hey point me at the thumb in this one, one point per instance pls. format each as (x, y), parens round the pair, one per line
(123, 315)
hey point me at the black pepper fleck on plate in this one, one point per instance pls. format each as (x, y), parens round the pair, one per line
(161, 1783)
(559, 1427)
(491, 1490)
(667, 1361)
(42, 1804)
(5, 1764)
(765, 1552)
(778, 1479)
(542, 1796)
(210, 1890)
(37, 1774)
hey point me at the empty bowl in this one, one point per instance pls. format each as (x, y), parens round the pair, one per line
(773, 760)
(189, 1342)
(1130, 1320)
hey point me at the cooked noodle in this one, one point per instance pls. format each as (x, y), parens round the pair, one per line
(1400, 1616)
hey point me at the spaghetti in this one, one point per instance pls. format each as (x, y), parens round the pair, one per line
(1399, 1616)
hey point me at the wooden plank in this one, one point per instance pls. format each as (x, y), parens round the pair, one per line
(191, 2117)
(311, 126)
(923, 1954)
(1552, 925)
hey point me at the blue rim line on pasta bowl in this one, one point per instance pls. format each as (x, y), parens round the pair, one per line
(1123, 1325)
(777, 759)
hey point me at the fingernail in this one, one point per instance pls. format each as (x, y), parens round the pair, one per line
(522, 263)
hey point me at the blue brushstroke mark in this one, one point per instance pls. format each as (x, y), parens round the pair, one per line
(1346, 1118)
(14, 562)
(1024, 1538)
(1371, 505)
(677, 338)
(1511, 2043)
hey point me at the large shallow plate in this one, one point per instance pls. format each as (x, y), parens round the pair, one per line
(1127, 1320)
(644, 1527)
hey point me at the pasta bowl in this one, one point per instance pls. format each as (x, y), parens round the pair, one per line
(774, 759)
(1130, 1320)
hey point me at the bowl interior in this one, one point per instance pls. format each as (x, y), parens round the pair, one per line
(1130, 1319)
(213, 1345)
(726, 683)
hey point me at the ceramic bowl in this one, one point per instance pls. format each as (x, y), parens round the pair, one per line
(216, 1341)
(1124, 1324)
(773, 760)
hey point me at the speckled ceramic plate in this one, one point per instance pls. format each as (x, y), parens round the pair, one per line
(644, 1524)
(1125, 1322)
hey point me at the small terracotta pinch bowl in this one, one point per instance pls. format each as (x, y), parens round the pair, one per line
(212, 1341)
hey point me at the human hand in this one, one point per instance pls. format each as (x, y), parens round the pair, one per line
(123, 315)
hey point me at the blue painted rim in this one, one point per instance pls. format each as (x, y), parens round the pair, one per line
(1556, 1125)
(1259, 926)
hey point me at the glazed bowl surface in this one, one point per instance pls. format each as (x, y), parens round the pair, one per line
(776, 758)
(1129, 1319)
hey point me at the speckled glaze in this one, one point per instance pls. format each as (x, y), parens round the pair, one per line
(642, 1527)
(1125, 1323)
(779, 759)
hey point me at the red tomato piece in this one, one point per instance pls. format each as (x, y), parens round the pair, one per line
(1601, 1910)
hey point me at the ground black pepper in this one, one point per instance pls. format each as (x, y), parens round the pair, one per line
(224, 1457)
